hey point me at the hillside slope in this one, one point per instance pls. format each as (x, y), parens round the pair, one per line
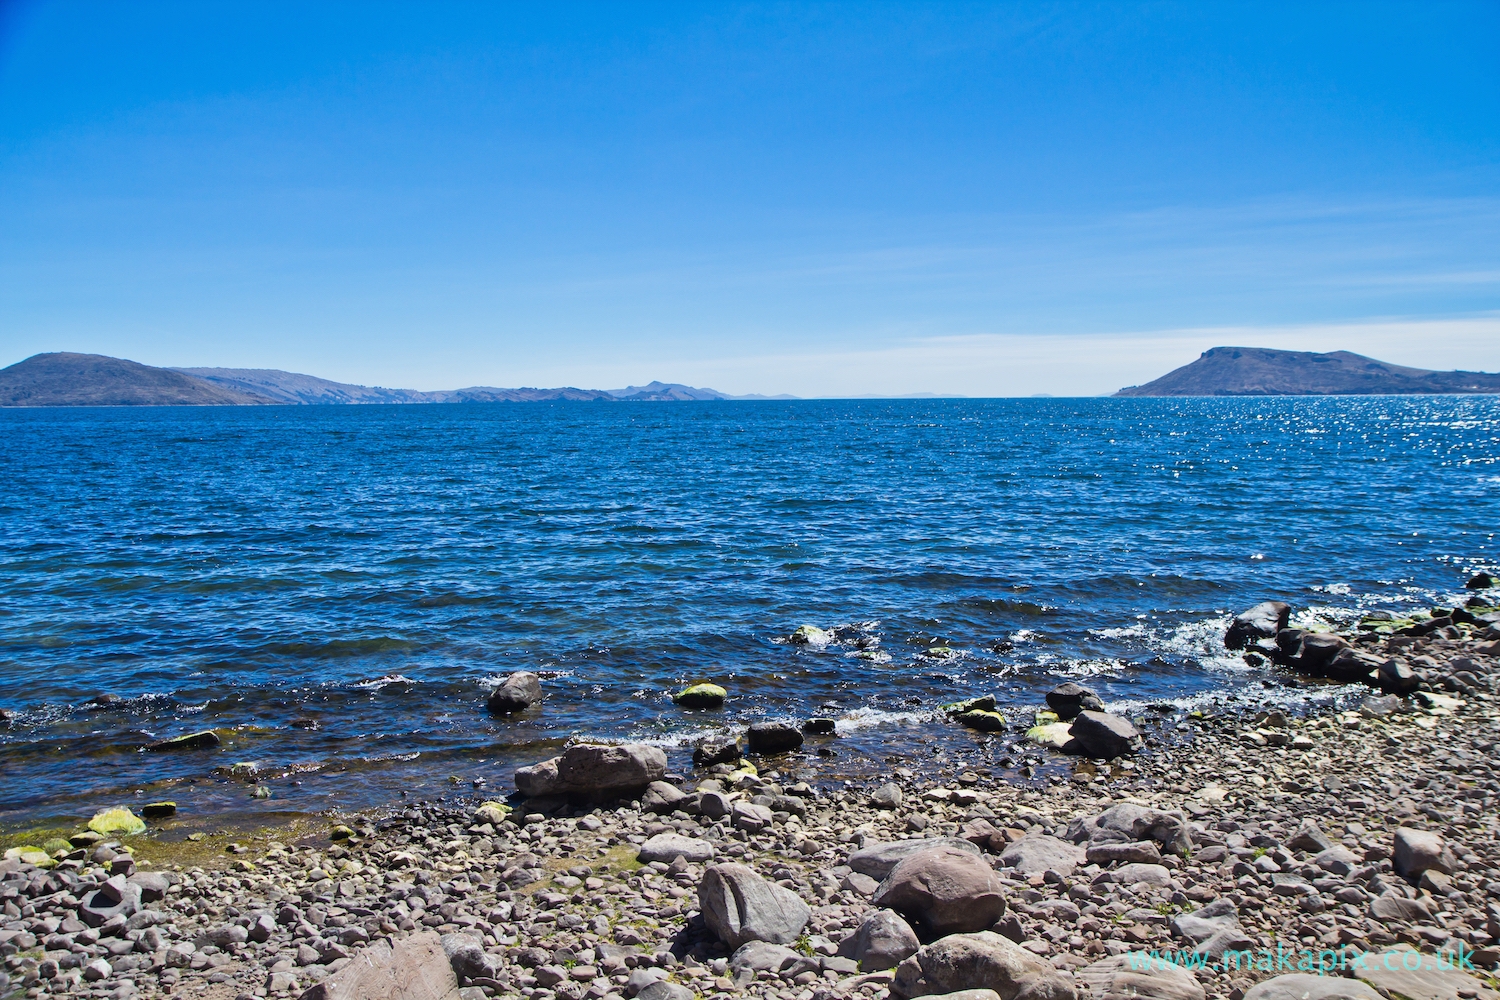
(65, 379)
(1261, 371)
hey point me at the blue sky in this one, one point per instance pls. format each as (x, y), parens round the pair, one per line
(985, 199)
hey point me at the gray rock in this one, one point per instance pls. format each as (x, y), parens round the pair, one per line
(516, 693)
(603, 770)
(710, 753)
(1336, 860)
(1260, 622)
(153, 886)
(1036, 853)
(668, 846)
(466, 954)
(980, 961)
(539, 780)
(1204, 923)
(887, 796)
(1138, 975)
(1309, 837)
(967, 995)
(739, 906)
(1398, 908)
(762, 956)
(1142, 851)
(1130, 821)
(877, 859)
(641, 978)
(664, 990)
(773, 737)
(416, 968)
(1141, 874)
(1391, 975)
(1068, 699)
(1396, 676)
(1415, 851)
(1227, 940)
(109, 901)
(1102, 735)
(882, 941)
(663, 797)
(1304, 986)
(714, 804)
(944, 891)
(749, 816)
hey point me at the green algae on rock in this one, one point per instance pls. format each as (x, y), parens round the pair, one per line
(158, 810)
(811, 635)
(701, 696)
(120, 822)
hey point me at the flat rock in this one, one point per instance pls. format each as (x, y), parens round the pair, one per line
(1410, 975)
(944, 891)
(1392, 907)
(1141, 874)
(417, 968)
(739, 906)
(984, 960)
(762, 956)
(1304, 986)
(668, 846)
(1138, 974)
(1204, 923)
(1037, 852)
(876, 859)
(1139, 851)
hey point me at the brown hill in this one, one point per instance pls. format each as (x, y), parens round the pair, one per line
(1261, 371)
(95, 380)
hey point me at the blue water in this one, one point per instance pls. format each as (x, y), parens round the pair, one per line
(375, 568)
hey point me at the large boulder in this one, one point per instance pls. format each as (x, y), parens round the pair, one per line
(944, 891)
(539, 780)
(773, 737)
(416, 968)
(1102, 735)
(1306, 986)
(1036, 853)
(1410, 975)
(984, 960)
(1132, 821)
(1415, 851)
(877, 859)
(881, 941)
(516, 693)
(739, 906)
(1067, 700)
(1138, 975)
(594, 771)
(1260, 622)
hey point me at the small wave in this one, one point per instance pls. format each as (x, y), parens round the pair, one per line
(871, 718)
(377, 683)
(1137, 631)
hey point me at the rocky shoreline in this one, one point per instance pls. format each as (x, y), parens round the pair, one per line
(1372, 830)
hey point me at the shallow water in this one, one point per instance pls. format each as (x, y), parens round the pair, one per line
(375, 568)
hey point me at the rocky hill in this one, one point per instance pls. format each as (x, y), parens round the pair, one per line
(290, 387)
(64, 379)
(1260, 371)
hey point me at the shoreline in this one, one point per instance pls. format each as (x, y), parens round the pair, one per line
(292, 908)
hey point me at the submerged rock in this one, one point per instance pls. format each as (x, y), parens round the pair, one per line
(710, 753)
(204, 740)
(811, 635)
(516, 693)
(701, 696)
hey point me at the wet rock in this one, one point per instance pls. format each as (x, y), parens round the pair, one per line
(1416, 851)
(1305, 986)
(158, 810)
(819, 727)
(1102, 735)
(667, 847)
(205, 740)
(117, 822)
(1067, 700)
(1138, 975)
(701, 696)
(1260, 622)
(1480, 581)
(878, 859)
(739, 906)
(416, 968)
(516, 693)
(711, 753)
(1036, 853)
(943, 891)
(881, 941)
(983, 960)
(773, 737)
(810, 635)
(1395, 676)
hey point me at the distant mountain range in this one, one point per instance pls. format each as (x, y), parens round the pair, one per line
(64, 379)
(1260, 371)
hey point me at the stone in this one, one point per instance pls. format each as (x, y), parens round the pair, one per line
(984, 720)
(1480, 581)
(1143, 851)
(1067, 700)
(1138, 975)
(820, 726)
(663, 990)
(1204, 923)
(1130, 821)
(1227, 940)
(1411, 975)
(1337, 860)
(609, 770)
(1398, 908)
(1103, 736)
(1415, 851)
(207, 739)
(710, 753)
(887, 796)
(158, 810)
(811, 635)
(466, 955)
(493, 813)
(943, 891)
(1395, 676)
(1141, 874)
(539, 780)
(152, 886)
(1036, 853)
(750, 816)
(641, 978)
(117, 822)
(1306, 986)
(281, 982)
(701, 696)
(416, 968)
(983, 960)
(877, 859)
(762, 956)
(96, 970)
(1309, 837)
(667, 847)
(516, 693)
(881, 941)
(967, 995)
(663, 797)
(1260, 622)
(739, 906)
(714, 804)
(773, 737)
(104, 904)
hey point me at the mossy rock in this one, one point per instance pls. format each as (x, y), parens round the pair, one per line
(986, 722)
(493, 813)
(1055, 734)
(57, 846)
(340, 832)
(30, 855)
(984, 703)
(117, 822)
(940, 652)
(701, 696)
(158, 810)
(1044, 717)
(811, 635)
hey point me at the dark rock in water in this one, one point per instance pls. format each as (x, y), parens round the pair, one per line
(1317, 651)
(1067, 700)
(1260, 622)
(1480, 581)
(1102, 735)
(818, 727)
(773, 737)
(103, 701)
(1289, 643)
(985, 722)
(303, 722)
(6, 716)
(516, 693)
(205, 740)
(709, 754)
(158, 810)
